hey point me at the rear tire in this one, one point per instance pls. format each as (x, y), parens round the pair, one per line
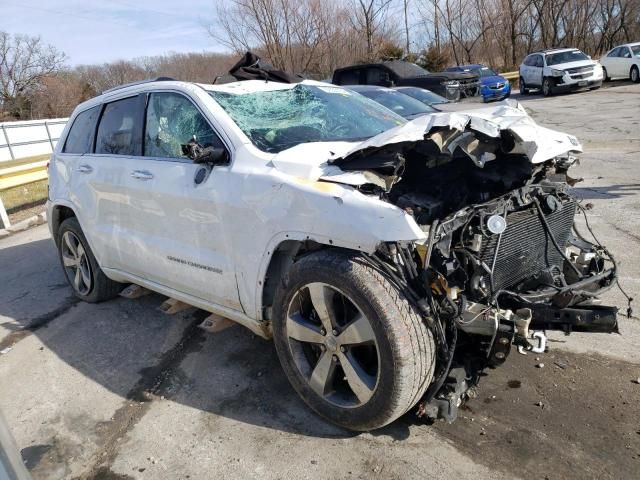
(348, 290)
(634, 74)
(523, 87)
(79, 264)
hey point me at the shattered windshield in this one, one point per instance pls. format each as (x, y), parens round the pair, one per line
(281, 119)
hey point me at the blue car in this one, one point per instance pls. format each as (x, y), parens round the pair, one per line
(492, 85)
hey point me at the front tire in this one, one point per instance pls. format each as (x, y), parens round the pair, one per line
(547, 89)
(605, 75)
(350, 343)
(83, 273)
(634, 75)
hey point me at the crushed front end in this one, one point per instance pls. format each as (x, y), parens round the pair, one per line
(504, 260)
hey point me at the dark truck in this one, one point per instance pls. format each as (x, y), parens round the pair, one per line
(451, 85)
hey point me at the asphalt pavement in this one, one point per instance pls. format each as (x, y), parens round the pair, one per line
(120, 390)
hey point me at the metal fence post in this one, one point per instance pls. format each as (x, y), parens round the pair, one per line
(46, 126)
(4, 218)
(6, 137)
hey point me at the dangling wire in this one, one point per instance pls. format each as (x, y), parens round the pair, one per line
(586, 222)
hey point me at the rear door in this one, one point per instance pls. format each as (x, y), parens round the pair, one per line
(615, 62)
(612, 63)
(537, 71)
(97, 178)
(625, 61)
(527, 69)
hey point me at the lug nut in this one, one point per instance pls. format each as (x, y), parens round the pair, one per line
(323, 348)
(334, 358)
(323, 331)
(342, 349)
(335, 332)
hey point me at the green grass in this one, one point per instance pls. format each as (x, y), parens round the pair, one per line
(24, 196)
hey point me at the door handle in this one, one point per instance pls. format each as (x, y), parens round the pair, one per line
(85, 168)
(142, 175)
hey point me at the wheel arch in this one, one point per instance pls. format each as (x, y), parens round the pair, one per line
(59, 213)
(280, 260)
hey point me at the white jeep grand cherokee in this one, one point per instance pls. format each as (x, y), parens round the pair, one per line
(390, 261)
(559, 70)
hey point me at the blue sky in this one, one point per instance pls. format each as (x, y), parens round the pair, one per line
(105, 30)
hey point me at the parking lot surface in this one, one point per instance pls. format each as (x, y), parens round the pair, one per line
(119, 390)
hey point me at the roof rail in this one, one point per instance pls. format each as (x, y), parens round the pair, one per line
(140, 82)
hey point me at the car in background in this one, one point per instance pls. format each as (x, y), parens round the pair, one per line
(493, 86)
(622, 61)
(397, 102)
(396, 73)
(425, 96)
(559, 69)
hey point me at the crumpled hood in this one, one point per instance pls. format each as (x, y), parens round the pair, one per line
(321, 160)
(538, 143)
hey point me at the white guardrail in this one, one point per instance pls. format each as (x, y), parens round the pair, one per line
(29, 138)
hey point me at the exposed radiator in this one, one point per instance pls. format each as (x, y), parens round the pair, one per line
(525, 248)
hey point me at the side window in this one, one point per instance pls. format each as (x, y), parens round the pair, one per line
(527, 61)
(172, 121)
(349, 77)
(376, 76)
(539, 61)
(625, 52)
(118, 132)
(81, 133)
(614, 53)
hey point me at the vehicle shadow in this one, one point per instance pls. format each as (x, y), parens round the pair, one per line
(609, 191)
(132, 349)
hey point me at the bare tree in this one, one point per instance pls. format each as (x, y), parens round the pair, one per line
(406, 27)
(369, 16)
(24, 62)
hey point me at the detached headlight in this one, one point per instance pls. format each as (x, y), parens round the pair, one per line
(557, 73)
(450, 83)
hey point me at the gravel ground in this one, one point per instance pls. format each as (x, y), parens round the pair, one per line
(120, 391)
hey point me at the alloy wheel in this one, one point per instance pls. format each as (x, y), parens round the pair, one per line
(333, 345)
(76, 263)
(634, 75)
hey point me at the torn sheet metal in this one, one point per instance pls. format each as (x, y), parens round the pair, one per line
(538, 143)
(448, 131)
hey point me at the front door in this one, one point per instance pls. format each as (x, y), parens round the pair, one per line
(166, 225)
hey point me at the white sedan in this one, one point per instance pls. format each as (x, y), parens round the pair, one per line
(622, 61)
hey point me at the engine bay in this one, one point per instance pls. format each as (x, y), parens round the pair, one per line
(504, 260)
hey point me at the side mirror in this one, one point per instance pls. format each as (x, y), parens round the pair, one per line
(200, 154)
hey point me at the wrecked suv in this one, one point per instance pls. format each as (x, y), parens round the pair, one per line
(390, 261)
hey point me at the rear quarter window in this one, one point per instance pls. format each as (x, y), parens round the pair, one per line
(119, 131)
(80, 135)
